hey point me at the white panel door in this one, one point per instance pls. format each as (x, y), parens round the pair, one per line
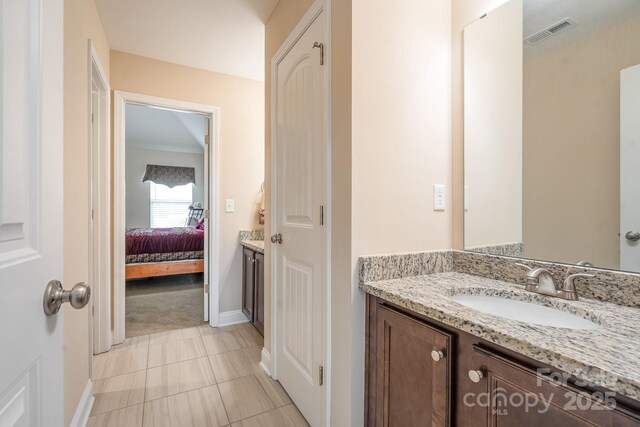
(31, 36)
(300, 193)
(629, 170)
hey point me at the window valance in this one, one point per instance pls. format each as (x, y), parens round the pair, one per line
(170, 176)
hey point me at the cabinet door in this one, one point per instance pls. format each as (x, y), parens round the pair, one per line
(412, 389)
(515, 395)
(258, 308)
(248, 282)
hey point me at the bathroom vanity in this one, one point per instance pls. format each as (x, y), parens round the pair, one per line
(253, 279)
(435, 356)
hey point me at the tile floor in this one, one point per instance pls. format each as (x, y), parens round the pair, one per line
(199, 376)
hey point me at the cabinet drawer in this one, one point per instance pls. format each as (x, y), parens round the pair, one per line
(516, 395)
(412, 389)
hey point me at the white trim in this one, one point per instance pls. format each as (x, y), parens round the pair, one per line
(120, 100)
(83, 410)
(100, 322)
(309, 17)
(232, 317)
(265, 361)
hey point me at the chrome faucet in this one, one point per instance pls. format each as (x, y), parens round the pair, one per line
(540, 280)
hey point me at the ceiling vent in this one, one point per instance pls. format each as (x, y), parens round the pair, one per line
(555, 29)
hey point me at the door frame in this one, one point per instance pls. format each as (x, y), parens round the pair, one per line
(100, 280)
(122, 98)
(270, 360)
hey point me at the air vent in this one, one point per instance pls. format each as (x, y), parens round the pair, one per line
(555, 29)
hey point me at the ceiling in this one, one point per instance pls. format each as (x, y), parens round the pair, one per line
(225, 36)
(592, 16)
(164, 130)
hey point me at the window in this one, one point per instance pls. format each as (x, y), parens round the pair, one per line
(170, 206)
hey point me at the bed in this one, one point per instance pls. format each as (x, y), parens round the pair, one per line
(154, 252)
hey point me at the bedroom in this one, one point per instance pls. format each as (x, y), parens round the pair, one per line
(164, 218)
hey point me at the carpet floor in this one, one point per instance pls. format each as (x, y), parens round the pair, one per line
(164, 303)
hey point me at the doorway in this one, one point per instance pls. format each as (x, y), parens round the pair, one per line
(165, 250)
(166, 245)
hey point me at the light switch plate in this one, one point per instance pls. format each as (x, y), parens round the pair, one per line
(229, 205)
(439, 199)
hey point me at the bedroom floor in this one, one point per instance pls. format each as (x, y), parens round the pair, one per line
(199, 376)
(163, 303)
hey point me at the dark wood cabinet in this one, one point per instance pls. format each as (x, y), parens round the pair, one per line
(407, 373)
(253, 287)
(259, 294)
(248, 281)
(407, 386)
(522, 396)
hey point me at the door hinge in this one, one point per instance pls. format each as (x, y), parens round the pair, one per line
(91, 117)
(206, 213)
(321, 47)
(321, 215)
(206, 139)
(321, 375)
(92, 311)
(206, 288)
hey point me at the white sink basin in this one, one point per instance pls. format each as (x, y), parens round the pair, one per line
(524, 312)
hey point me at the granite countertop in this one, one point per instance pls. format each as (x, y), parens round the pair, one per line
(256, 245)
(608, 356)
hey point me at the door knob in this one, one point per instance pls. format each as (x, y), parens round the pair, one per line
(632, 236)
(437, 355)
(475, 375)
(276, 238)
(55, 296)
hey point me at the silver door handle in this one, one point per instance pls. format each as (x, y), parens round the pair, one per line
(55, 296)
(632, 236)
(276, 238)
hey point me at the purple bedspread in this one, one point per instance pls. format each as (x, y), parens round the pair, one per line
(164, 240)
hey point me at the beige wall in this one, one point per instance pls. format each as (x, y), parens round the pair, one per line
(81, 22)
(241, 103)
(462, 13)
(572, 148)
(346, 302)
(493, 127)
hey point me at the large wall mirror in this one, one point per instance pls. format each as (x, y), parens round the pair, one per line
(552, 132)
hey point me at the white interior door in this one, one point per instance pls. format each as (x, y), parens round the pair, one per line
(629, 170)
(300, 187)
(31, 35)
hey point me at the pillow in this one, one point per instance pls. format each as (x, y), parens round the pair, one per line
(200, 224)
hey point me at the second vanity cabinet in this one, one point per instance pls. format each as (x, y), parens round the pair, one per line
(420, 372)
(253, 287)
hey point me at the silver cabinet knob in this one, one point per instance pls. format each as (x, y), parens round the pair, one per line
(437, 355)
(55, 296)
(475, 375)
(276, 238)
(632, 236)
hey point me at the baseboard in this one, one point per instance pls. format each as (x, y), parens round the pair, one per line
(265, 361)
(232, 318)
(81, 417)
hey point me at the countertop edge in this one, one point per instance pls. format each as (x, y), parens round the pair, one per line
(255, 245)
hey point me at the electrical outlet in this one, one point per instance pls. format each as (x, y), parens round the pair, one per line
(229, 205)
(439, 199)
